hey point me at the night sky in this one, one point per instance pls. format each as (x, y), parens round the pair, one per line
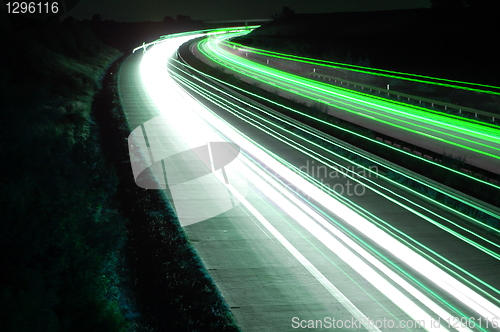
(155, 10)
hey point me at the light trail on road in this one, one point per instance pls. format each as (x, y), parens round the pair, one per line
(458, 197)
(263, 124)
(214, 46)
(469, 136)
(317, 134)
(398, 269)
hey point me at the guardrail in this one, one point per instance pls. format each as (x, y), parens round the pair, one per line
(402, 96)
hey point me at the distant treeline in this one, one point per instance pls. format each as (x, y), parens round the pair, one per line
(123, 36)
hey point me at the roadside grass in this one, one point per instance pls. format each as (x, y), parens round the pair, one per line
(60, 236)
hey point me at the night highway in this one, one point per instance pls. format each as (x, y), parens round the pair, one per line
(249, 166)
(292, 245)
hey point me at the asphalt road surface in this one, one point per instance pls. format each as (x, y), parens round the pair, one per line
(286, 259)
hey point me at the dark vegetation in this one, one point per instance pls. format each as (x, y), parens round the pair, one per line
(82, 248)
(60, 232)
(340, 129)
(449, 41)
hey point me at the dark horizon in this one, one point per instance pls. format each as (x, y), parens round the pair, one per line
(156, 10)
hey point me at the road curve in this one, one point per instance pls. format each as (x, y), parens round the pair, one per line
(280, 261)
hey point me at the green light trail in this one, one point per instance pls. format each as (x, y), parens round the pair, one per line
(216, 49)
(363, 155)
(457, 125)
(377, 142)
(300, 83)
(229, 105)
(371, 71)
(207, 32)
(260, 125)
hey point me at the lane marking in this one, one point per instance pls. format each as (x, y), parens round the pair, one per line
(306, 263)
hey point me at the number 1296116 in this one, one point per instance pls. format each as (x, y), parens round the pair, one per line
(32, 7)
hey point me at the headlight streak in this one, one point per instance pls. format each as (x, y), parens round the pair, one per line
(340, 250)
(401, 236)
(225, 104)
(205, 32)
(362, 268)
(303, 260)
(468, 297)
(394, 266)
(387, 271)
(151, 68)
(350, 258)
(358, 135)
(442, 279)
(296, 228)
(366, 157)
(318, 157)
(475, 278)
(298, 82)
(306, 217)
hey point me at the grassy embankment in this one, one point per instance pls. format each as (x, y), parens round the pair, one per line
(61, 234)
(75, 230)
(357, 135)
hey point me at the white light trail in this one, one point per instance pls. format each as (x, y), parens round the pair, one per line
(184, 115)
